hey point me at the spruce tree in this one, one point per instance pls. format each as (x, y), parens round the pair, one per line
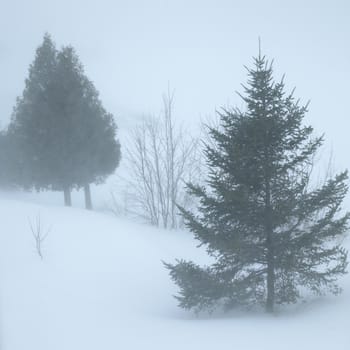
(270, 230)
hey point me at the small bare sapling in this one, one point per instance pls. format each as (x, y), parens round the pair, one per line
(39, 233)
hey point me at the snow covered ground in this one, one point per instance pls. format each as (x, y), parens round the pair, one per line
(102, 285)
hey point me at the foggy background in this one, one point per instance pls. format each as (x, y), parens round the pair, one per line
(133, 49)
(101, 284)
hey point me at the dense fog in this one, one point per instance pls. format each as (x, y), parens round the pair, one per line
(173, 174)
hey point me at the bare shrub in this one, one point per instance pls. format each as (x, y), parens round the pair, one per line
(161, 157)
(39, 233)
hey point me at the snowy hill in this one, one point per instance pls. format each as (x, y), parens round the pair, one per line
(102, 285)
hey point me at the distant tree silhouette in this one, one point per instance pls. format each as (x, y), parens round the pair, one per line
(63, 134)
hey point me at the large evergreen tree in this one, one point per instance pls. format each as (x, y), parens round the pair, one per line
(65, 137)
(270, 231)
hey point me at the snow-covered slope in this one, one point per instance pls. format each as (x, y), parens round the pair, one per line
(102, 285)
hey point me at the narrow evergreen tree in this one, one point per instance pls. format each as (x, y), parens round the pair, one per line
(31, 117)
(268, 229)
(63, 122)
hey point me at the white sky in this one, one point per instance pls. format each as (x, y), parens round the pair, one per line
(132, 49)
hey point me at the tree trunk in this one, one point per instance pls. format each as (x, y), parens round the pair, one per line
(270, 300)
(87, 193)
(67, 197)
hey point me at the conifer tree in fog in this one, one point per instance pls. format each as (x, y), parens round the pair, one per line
(65, 138)
(98, 152)
(269, 230)
(31, 119)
